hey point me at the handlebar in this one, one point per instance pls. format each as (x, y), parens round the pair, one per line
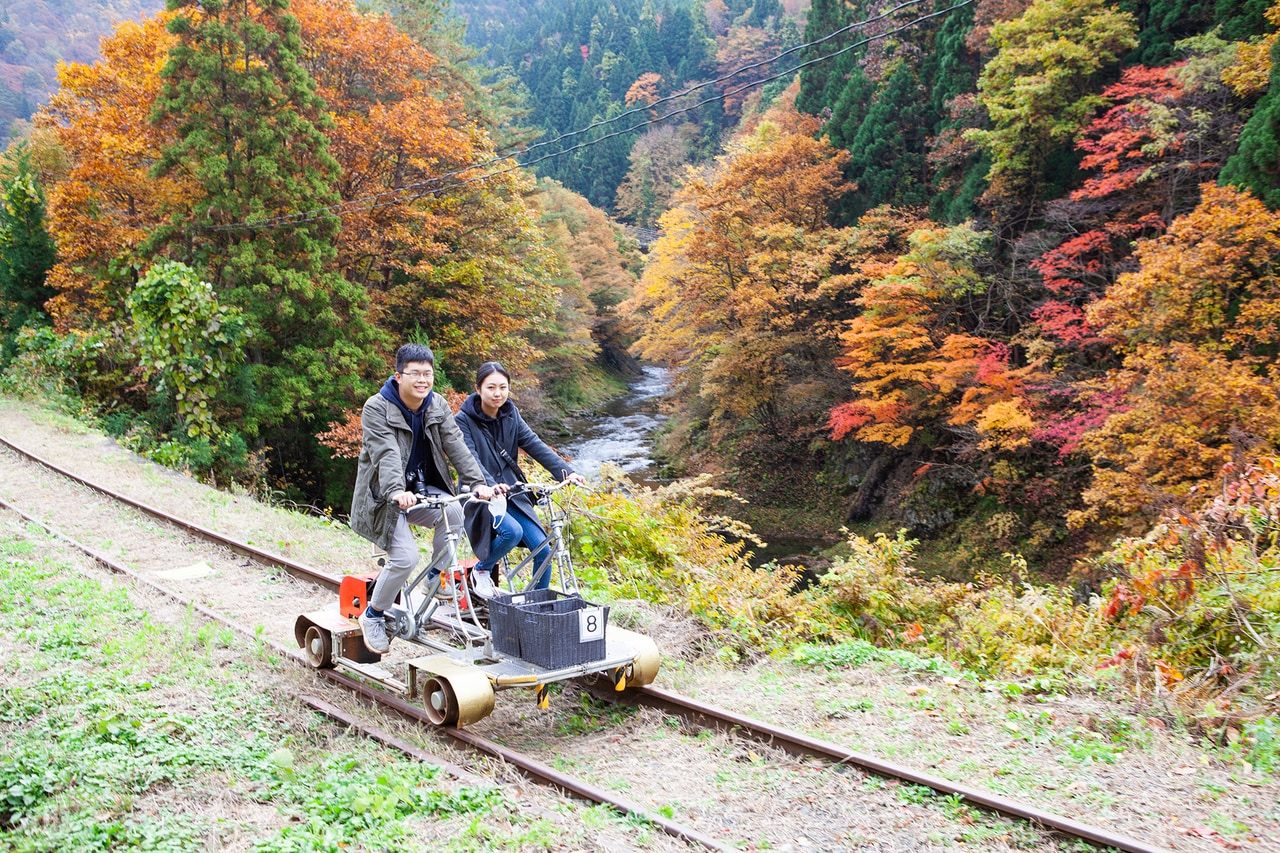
(437, 501)
(540, 489)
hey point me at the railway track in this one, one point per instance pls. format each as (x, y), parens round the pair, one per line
(693, 712)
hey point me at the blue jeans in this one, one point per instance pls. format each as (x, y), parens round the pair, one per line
(514, 529)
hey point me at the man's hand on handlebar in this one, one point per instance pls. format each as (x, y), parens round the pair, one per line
(408, 499)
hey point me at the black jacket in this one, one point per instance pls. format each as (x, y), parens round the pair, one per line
(496, 442)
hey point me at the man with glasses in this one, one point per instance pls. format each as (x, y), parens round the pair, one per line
(408, 434)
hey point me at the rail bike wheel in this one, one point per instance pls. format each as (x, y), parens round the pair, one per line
(317, 647)
(454, 694)
(644, 666)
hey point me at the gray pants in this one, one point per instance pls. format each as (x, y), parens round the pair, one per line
(402, 555)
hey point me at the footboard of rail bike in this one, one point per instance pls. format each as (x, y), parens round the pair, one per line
(440, 612)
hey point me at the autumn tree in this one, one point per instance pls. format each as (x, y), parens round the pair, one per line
(1199, 325)
(743, 48)
(658, 160)
(644, 91)
(1167, 130)
(1250, 71)
(1039, 89)
(586, 333)
(441, 250)
(746, 289)
(918, 366)
(107, 202)
(1256, 166)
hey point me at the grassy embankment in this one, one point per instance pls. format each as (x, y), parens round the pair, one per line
(124, 731)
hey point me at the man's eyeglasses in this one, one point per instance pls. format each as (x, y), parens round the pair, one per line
(415, 375)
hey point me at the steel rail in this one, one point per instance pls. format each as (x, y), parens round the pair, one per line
(797, 743)
(672, 703)
(530, 767)
(294, 568)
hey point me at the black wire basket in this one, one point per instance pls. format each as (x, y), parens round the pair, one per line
(548, 628)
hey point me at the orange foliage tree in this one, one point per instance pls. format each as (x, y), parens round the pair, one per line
(107, 203)
(440, 247)
(743, 47)
(919, 367)
(595, 278)
(443, 250)
(746, 290)
(1199, 327)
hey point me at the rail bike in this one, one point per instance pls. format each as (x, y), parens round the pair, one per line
(477, 639)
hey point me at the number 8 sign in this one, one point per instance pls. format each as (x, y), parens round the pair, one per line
(591, 624)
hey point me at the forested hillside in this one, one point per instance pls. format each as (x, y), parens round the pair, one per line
(251, 208)
(1001, 273)
(598, 72)
(1005, 276)
(36, 35)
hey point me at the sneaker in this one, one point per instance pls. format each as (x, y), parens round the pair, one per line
(482, 584)
(445, 592)
(375, 634)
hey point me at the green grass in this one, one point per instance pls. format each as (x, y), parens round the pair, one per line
(592, 715)
(856, 653)
(119, 729)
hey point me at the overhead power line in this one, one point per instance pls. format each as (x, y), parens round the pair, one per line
(734, 73)
(446, 182)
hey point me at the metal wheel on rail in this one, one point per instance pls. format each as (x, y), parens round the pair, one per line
(317, 647)
(644, 666)
(453, 694)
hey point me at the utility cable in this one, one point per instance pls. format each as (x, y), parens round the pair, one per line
(734, 73)
(437, 184)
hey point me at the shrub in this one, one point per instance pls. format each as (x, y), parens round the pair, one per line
(877, 596)
(1198, 598)
(1006, 631)
(659, 545)
(70, 371)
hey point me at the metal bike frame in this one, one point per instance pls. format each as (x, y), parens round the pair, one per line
(559, 558)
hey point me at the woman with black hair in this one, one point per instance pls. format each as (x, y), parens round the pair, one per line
(494, 431)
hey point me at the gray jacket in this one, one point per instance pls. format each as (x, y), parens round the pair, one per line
(383, 453)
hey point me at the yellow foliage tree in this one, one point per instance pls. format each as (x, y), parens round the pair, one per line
(1199, 326)
(1250, 74)
(746, 290)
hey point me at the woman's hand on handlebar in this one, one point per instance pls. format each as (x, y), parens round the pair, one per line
(484, 493)
(574, 479)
